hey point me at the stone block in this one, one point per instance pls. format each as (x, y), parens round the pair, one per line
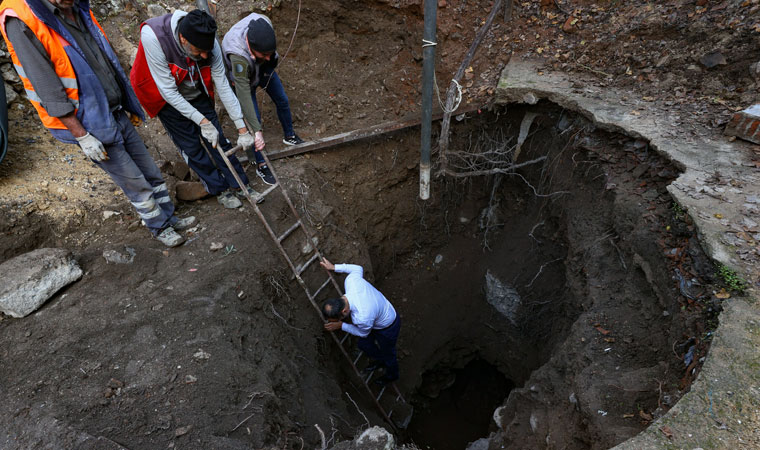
(746, 124)
(29, 280)
(190, 191)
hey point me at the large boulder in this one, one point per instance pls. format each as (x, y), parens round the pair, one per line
(29, 280)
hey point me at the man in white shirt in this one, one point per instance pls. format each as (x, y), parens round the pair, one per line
(372, 318)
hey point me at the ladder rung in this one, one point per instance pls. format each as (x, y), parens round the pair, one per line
(232, 151)
(270, 189)
(289, 230)
(345, 336)
(307, 263)
(324, 285)
(381, 394)
(358, 357)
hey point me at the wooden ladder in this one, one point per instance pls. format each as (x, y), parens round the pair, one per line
(298, 270)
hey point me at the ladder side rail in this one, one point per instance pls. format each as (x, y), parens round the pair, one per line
(309, 236)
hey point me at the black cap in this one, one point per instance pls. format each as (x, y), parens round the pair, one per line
(199, 29)
(261, 36)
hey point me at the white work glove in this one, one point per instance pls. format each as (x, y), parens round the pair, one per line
(245, 140)
(210, 133)
(259, 140)
(92, 147)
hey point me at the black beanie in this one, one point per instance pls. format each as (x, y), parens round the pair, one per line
(199, 29)
(261, 36)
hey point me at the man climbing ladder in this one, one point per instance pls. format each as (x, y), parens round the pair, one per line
(373, 319)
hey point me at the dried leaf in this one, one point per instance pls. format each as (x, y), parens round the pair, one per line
(667, 431)
(645, 416)
(722, 294)
(602, 330)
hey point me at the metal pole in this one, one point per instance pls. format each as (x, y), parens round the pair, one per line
(428, 71)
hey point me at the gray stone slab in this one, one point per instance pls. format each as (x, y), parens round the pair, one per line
(722, 409)
(29, 280)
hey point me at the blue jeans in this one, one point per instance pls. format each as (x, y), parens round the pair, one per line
(270, 82)
(186, 134)
(380, 345)
(132, 168)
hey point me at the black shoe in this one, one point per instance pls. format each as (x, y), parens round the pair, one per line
(382, 381)
(266, 175)
(292, 140)
(373, 366)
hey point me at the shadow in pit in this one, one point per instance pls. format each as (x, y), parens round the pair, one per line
(459, 401)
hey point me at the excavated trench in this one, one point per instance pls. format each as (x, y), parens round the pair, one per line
(563, 291)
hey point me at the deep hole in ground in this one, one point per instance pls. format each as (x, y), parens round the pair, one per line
(455, 399)
(577, 277)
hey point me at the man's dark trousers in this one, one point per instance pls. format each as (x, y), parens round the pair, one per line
(187, 137)
(380, 345)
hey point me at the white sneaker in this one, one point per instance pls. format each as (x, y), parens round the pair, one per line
(228, 200)
(170, 238)
(184, 223)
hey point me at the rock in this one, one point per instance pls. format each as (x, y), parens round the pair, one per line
(181, 431)
(533, 422)
(498, 414)
(480, 444)
(569, 25)
(216, 246)
(108, 214)
(200, 354)
(155, 10)
(503, 297)
(116, 257)
(190, 191)
(745, 124)
(375, 438)
(10, 95)
(29, 280)
(713, 59)
(530, 98)
(754, 71)
(9, 74)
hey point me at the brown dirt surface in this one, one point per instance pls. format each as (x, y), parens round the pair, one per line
(194, 348)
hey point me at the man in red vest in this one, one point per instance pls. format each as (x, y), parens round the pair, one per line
(178, 67)
(74, 80)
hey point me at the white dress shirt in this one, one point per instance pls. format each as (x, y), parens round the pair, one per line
(369, 307)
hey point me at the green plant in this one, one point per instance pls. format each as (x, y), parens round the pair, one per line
(731, 279)
(678, 212)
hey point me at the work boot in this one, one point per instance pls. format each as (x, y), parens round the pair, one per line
(184, 223)
(266, 175)
(292, 140)
(258, 198)
(228, 200)
(169, 237)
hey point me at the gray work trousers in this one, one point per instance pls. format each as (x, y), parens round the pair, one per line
(132, 169)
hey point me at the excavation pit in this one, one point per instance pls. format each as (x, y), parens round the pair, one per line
(575, 275)
(455, 399)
